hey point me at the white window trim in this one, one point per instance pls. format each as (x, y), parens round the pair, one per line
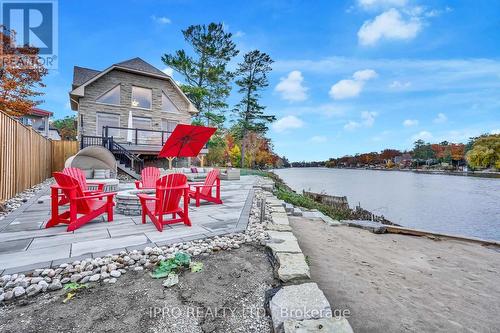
(175, 104)
(110, 104)
(167, 120)
(132, 96)
(109, 114)
(146, 118)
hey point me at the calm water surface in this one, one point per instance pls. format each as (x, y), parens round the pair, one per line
(467, 206)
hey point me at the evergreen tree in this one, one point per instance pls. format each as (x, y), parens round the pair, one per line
(206, 75)
(251, 79)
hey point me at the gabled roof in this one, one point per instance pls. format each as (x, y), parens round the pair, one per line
(140, 65)
(84, 76)
(40, 112)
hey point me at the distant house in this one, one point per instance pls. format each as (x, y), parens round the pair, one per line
(130, 106)
(38, 119)
(54, 134)
(403, 160)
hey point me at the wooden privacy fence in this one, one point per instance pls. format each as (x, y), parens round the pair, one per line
(26, 157)
(61, 150)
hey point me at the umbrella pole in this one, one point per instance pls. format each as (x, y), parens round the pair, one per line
(202, 160)
(170, 159)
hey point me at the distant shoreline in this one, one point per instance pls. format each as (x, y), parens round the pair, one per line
(491, 174)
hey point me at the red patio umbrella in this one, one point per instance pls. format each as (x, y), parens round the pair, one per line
(186, 141)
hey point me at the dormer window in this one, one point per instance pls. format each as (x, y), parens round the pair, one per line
(110, 97)
(167, 105)
(141, 98)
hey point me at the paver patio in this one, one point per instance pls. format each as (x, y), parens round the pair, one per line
(25, 244)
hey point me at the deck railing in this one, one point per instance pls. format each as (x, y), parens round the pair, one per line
(136, 136)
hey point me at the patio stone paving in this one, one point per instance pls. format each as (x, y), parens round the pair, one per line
(25, 244)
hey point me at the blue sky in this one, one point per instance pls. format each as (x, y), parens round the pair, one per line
(349, 76)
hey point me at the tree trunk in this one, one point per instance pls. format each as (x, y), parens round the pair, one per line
(243, 148)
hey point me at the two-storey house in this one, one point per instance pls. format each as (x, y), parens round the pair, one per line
(130, 106)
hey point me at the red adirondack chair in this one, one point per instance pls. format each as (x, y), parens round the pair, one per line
(79, 175)
(203, 190)
(169, 191)
(149, 177)
(90, 206)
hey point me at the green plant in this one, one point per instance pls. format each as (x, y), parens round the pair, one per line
(284, 192)
(165, 267)
(72, 286)
(72, 289)
(196, 267)
(308, 261)
(254, 172)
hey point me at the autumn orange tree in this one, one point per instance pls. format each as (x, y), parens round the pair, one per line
(457, 151)
(20, 76)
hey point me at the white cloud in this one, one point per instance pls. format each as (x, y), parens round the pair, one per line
(495, 131)
(318, 139)
(424, 135)
(239, 34)
(291, 88)
(288, 122)
(161, 19)
(352, 88)
(389, 25)
(410, 122)
(169, 71)
(364, 75)
(352, 125)
(367, 120)
(441, 118)
(399, 84)
(437, 12)
(346, 89)
(371, 4)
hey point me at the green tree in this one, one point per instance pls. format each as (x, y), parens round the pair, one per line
(251, 79)
(485, 152)
(205, 73)
(422, 151)
(66, 127)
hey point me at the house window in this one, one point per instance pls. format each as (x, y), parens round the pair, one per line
(107, 119)
(110, 97)
(168, 125)
(141, 97)
(167, 105)
(141, 122)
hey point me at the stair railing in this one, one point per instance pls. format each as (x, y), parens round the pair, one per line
(125, 156)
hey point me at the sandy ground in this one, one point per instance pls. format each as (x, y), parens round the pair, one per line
(227, 296)
(396, 283)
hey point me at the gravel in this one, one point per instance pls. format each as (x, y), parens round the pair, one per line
(110, 269)
(228, 295)
(17, 201)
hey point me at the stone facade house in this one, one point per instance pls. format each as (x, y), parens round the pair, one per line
(132, 101)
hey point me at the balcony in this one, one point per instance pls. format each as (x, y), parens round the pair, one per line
(135, 140)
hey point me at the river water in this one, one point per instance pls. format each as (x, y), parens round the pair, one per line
(468, 206)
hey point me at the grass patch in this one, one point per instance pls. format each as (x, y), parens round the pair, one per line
(285, 193)
(254, 172)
